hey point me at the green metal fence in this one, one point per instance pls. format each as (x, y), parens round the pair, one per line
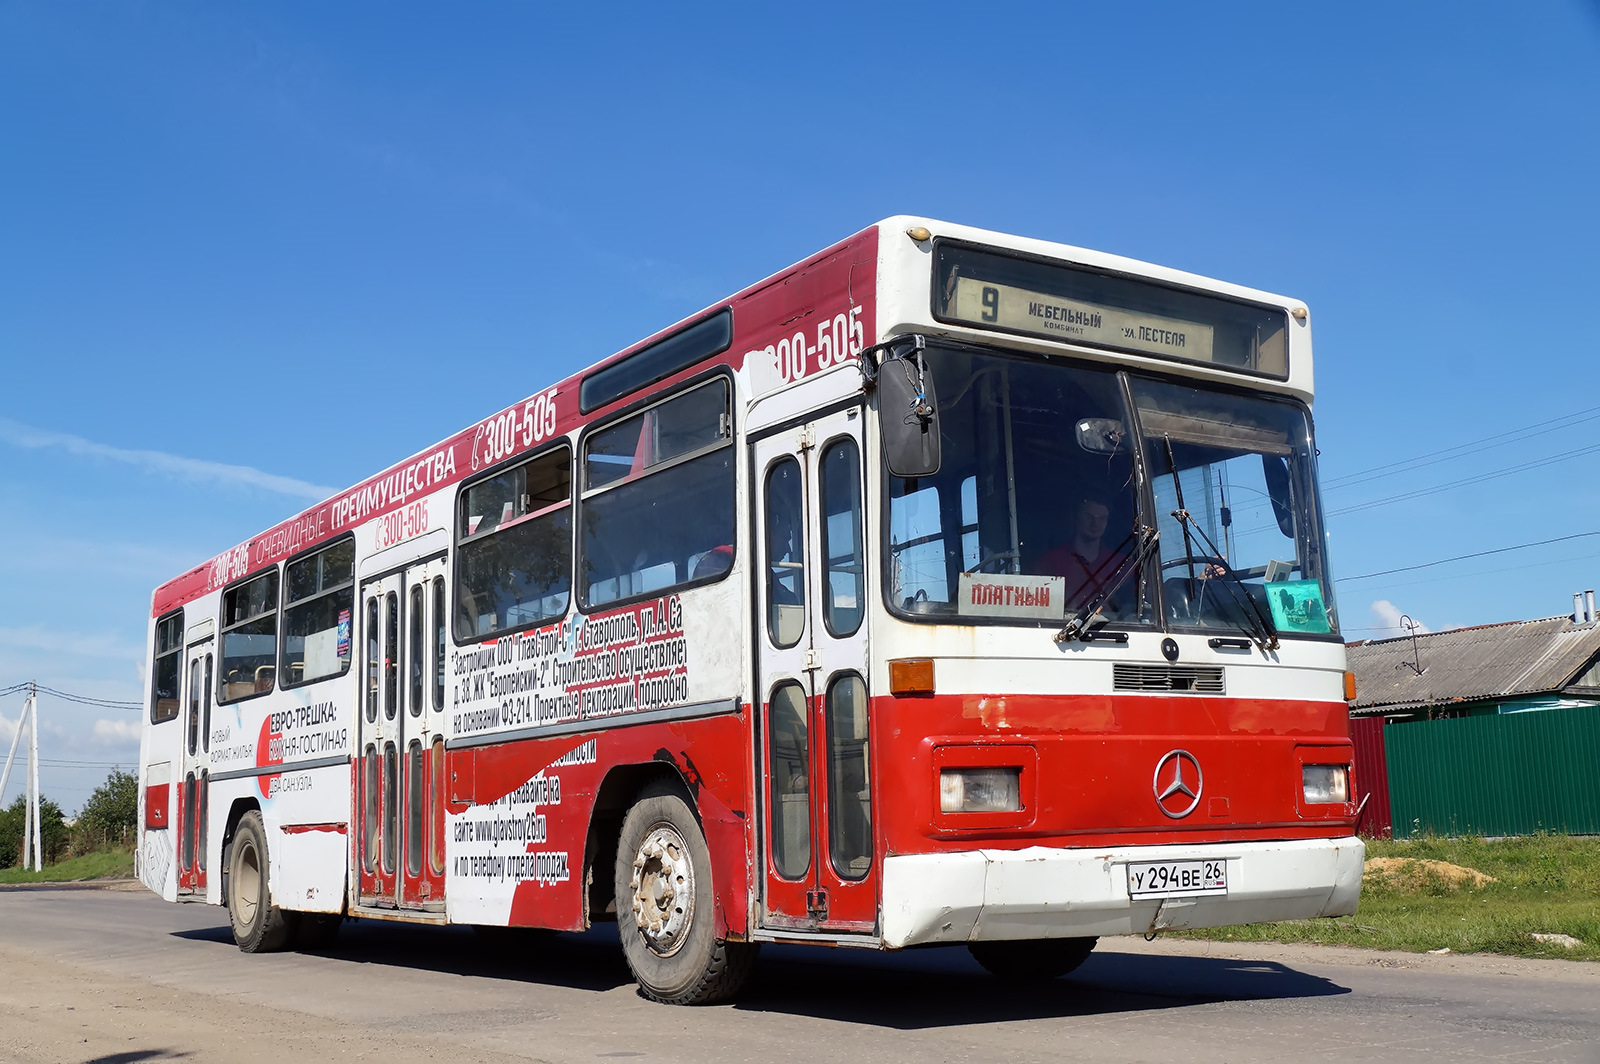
(1511, 774)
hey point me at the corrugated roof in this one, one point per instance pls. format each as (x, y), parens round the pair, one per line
(1487, 662)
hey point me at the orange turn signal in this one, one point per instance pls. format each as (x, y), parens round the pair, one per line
(911, 677)
(1349, 687)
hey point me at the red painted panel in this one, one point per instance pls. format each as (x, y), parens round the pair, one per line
(1372, 776)
(157, 802)
(1096, 763)
(711, 755)
(300, 829)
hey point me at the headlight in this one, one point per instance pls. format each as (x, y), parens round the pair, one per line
(980, 790)
(1326, 783)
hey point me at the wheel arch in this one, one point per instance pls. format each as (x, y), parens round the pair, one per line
(236, 811)
(617, 793)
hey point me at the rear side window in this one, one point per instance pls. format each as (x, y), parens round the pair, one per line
(166, 666)
(250, 637)
(658, 498)
(318, 597)
(514, 565)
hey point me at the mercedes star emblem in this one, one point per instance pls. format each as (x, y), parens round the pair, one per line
(1178, 784)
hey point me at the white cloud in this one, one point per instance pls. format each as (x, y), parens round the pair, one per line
(1386, 617)
(115, 732)
(20, 435)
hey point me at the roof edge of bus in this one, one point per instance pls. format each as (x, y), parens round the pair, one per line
(1105, 260)
(900, 222)
(570, 380)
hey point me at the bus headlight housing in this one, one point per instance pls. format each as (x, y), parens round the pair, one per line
(980, 790)
(1324, 784)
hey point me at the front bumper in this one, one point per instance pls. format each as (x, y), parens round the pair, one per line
(1051, 892)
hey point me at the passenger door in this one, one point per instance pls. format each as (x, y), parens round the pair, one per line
(813, 757)
(400, 837)
(422, 772)
(198, 680)
(380, 719)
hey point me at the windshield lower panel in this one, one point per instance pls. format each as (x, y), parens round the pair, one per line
(1038, 503)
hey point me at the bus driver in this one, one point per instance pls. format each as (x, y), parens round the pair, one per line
(1085, 562)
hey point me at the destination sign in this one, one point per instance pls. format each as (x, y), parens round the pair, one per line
(1002, 306)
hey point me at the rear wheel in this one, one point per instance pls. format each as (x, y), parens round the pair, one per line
(258, 925)
(665, 905)
(1032, 960)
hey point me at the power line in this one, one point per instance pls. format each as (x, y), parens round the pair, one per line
(1464, 557)
(90, 700)
(1463, 482)
(57, 763)
(85, 700)
(1445, 454)
(1497, 571)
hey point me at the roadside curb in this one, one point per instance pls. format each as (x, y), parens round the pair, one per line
(108, 883)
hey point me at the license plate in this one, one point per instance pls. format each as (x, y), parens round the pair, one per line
(1166, 879)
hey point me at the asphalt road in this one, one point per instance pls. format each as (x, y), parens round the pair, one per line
(118, 976)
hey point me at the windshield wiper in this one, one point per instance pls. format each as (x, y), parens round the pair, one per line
(1079, 626)
(1261, 628)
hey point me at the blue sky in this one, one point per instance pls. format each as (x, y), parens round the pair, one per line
(246, 254)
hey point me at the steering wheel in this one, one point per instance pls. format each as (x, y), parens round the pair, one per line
(994, 556)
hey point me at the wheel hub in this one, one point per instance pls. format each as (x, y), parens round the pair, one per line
(663, 890)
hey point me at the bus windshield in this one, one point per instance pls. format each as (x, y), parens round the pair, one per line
(1251, 542)
(1036, 506)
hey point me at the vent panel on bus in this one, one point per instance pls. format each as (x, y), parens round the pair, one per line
(1189, 679)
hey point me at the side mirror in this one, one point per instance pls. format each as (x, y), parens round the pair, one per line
(908, 414)
(1100, 435)
(1276, 471)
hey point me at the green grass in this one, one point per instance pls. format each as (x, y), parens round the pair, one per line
(1546, 883)
(108, 864)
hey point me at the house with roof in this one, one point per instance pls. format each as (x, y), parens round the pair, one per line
(1490, 730)
(1513, 667)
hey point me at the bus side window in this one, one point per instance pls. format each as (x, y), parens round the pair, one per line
(205, 716)
(658, 497)
(373, 656)
(166, 667)
(194, 706)
(789, 758)
(416, 660)
(786, 567)
(844, 583)
(514, 562)
(369, 808)
(391, 655)
(849, 788)
(438, 642)
(250, 637)
(319, 591)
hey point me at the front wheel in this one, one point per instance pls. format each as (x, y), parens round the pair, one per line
(665, 906)
(258, 925)
(1032, 960)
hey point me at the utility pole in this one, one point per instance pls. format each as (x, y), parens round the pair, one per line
(31, 833)
(33, 776)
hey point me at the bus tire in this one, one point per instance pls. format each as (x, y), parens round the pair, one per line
(258, 925)
(665, 905)
(1032, 960)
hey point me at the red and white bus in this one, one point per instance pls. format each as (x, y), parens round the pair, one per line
(945, 587)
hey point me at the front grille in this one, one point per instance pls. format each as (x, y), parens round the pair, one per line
(1190, 679)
